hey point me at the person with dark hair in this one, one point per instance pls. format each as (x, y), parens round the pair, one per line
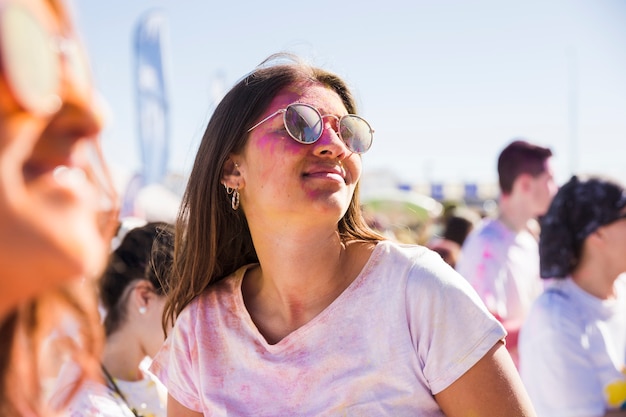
(58, 208)
(500, 258)
(132, 296)
(458, 222)
(573, 343)
(287, 303)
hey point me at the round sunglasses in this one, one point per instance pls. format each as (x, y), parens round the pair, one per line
(34, 59)
(305, 124)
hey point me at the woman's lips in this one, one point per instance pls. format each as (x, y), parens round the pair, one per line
(333, 172)
(326, 175)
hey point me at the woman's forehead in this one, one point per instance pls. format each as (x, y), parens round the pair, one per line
(318, 95)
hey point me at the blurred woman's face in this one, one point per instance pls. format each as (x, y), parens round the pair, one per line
(544, 188)
(57, 205)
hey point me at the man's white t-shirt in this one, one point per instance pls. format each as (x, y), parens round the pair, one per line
(503, 267)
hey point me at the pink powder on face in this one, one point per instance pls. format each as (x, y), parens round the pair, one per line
(272, 144)
(280, 163)
(274, 131)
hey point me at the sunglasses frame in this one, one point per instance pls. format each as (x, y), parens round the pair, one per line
(321, 118)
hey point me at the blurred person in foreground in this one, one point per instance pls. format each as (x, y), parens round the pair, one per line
(131, 291)
(573, 343)
(57, 205)
(287, 303)
(500, 258)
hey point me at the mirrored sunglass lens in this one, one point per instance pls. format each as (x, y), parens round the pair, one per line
(303, 123)
(356, 133)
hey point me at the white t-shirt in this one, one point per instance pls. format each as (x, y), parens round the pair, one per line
(573, 351)
(503, 267)
(405, 329)
(147, 396)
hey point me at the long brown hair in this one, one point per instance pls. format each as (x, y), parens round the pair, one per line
(212, 240)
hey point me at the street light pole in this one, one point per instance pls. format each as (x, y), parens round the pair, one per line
(573, 108)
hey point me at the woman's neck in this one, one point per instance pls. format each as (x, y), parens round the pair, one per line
(122, 356)
(294, 283)
(595, 281)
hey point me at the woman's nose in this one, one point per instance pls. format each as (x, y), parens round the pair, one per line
(330, 143)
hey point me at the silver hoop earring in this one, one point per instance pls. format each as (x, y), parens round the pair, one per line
(229, 190)
(234, 202)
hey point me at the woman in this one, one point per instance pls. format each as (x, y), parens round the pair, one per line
(57, 206)
(287, 303)
(132, 295)
(573, 344)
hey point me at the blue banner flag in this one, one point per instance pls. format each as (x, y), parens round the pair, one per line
(152, 100)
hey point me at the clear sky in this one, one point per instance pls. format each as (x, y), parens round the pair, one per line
(445, 84)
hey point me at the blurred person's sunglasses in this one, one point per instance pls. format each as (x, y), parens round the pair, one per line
(36, 59)
(305, 124)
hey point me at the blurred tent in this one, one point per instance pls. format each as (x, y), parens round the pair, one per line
(155, 202)
(403, 214)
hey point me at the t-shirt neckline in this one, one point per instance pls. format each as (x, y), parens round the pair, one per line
(304, 329)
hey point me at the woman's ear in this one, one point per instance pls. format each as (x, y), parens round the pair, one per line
(602, 233)
(142, 295)
(599, 239)
(231, 175)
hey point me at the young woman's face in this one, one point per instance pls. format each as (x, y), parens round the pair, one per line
(56, 203)
(297, 183)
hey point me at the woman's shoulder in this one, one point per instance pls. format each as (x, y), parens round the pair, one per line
(219, 297)
(223, 288)
(488, 231)
(397, 251)
(557, 308)
(417, 264)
